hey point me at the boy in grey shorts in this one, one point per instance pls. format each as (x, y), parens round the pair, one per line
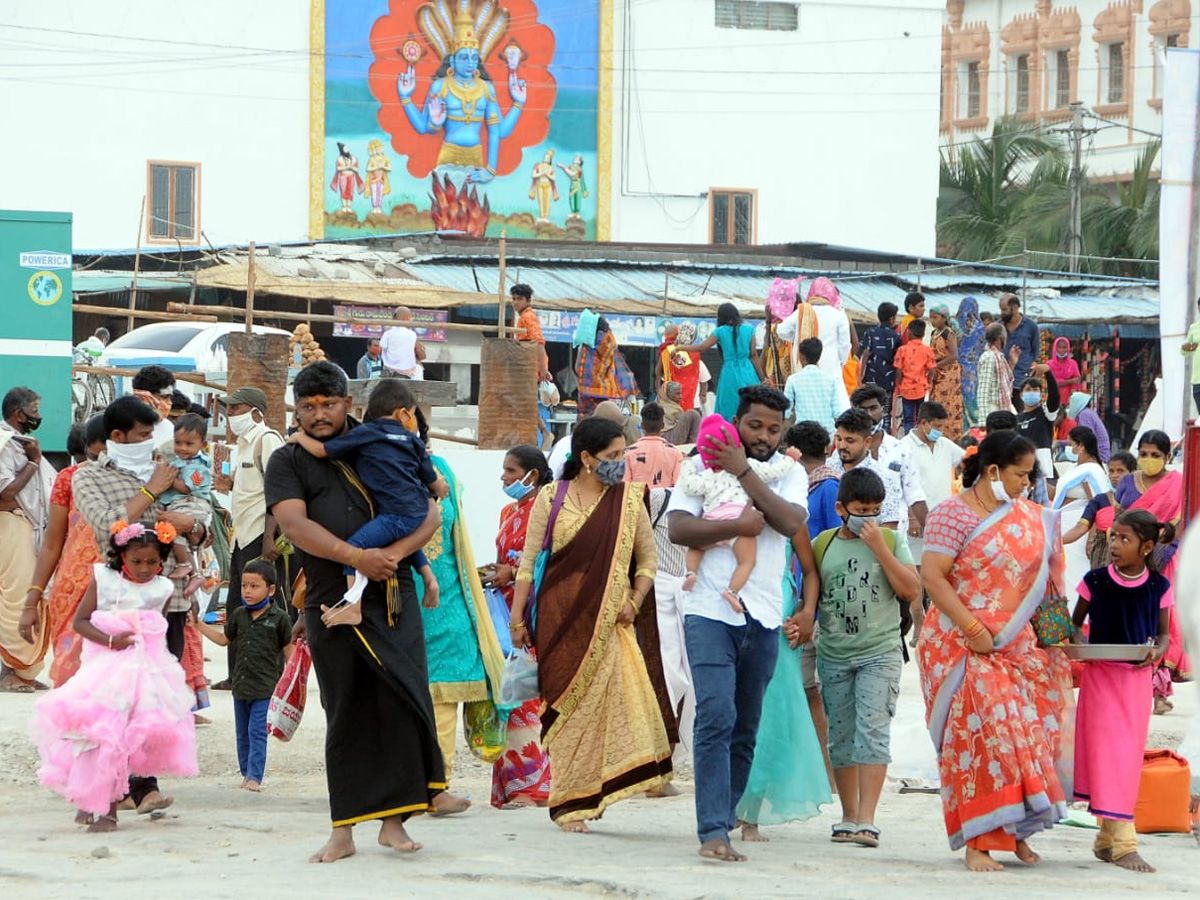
(866, 574)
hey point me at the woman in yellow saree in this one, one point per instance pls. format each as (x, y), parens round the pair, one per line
(605, 714)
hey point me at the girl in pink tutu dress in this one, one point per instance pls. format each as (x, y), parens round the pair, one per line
(725, 499)
(128, 710)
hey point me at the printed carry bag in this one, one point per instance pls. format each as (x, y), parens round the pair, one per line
(485, 729)
(287, 702)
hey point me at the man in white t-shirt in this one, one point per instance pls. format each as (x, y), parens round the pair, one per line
(403, 351)
(895, 456)
(732, 655)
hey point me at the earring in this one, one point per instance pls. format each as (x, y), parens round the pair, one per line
(589, 469)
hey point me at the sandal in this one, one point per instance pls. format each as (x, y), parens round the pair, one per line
(843, 833)
(866, 836)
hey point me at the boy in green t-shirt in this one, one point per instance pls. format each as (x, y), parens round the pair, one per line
(866, 576)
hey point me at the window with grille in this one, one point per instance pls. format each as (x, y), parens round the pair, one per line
(757, 16)
(1021, 87)
(173, 201)
(973, 99)
(1062, 79)
(731, 216)
(1116, 73)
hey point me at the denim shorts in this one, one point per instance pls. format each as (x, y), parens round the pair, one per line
(860, 701)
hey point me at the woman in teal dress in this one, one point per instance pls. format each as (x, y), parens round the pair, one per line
(788, 781)
(740, 362)
(465, 661)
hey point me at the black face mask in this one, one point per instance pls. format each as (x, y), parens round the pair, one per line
(31, 422)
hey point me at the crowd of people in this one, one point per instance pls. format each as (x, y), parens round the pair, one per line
(746, 584)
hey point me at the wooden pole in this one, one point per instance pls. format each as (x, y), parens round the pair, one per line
(137, 264)
(189, 377)
(183, 310)
(149, 314)
(501, 299)
(250, 291)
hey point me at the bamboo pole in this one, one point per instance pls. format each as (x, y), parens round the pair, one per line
(183, 309)
(250, 291)
(454, 440)
(190, 377)
(137, 264)
(149, 314)
(500, 297)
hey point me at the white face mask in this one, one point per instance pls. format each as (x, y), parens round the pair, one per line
(239, 425)
(1000, 492)
(136, 459)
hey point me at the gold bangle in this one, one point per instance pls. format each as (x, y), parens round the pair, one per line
(520, 626)
(404, 101)
(34, 587)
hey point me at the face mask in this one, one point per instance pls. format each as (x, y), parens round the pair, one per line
(611, 471)
(1071, 454)
(261, 604)
(1151, 465)
(136, 459)
(239, 425)
(935, 435)
(1000, 492)
(854, 524)
(1062, 354)
(518, 490)
(1030, 398)
(32, 423)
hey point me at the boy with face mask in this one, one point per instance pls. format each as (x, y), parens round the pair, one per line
(867, 575)
(390, 458)
(1039, 409)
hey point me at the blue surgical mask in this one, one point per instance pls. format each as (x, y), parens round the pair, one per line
(1031, 398)
(611, 471)
(935, 435)
(518, 490)
(854, 524)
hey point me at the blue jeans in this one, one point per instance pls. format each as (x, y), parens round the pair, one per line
(386, 529)
(910, 413)
(731, 666)
(250, 717)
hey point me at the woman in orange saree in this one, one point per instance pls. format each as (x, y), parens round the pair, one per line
(999, 708)
(68, 553)
(605, 709)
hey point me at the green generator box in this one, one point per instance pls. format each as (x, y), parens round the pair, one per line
(35, 315)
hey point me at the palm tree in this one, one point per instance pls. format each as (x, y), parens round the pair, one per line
(983, 189)
(1011, 193)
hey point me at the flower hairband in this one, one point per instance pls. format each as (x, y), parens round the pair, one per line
(970, 451)
(123, 532)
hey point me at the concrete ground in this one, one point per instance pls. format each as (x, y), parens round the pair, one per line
(219, 841)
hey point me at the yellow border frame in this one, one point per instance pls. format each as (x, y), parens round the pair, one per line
(316, 122)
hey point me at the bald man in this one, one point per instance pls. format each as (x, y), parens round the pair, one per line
(402, 350)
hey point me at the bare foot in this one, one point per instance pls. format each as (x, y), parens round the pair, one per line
(1103, 855)
(339, 846)
(1134, 863)
(251, 785)
(104, 824)
(751, 833)
(733, 600)
(341, 614)
(153, 802)
(11, 684)
(720, 850)
(519, 803)
(574, 827)
(981, 861)
(392, 834)
(201, 720)
(1026, 855)
(84, 818)
(447, 804)
(689, 581)
(126, 804)
(667, 790)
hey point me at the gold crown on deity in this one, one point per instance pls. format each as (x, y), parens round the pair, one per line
(464, 32)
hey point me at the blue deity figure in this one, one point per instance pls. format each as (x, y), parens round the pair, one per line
(461, 100)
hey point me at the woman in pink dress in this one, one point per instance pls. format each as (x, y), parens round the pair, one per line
(127, 711)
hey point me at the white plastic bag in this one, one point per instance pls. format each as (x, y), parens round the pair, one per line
(519, 683)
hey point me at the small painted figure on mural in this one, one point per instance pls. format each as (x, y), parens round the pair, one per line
(378, 167)
(543, 187)
(346, 179)
(578, 191)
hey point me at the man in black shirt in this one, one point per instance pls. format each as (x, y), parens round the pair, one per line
(381, 754)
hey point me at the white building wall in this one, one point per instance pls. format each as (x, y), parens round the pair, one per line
(1110, 151)
(90, 94)
(834, 125)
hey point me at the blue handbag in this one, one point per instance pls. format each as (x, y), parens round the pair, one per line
(539, 564)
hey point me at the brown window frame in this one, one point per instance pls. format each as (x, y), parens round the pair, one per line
(171, 237)
(732, 194)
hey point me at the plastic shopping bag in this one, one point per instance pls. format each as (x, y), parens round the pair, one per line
(484, 729)
(499, 612)
(287, 702)
(519, 682)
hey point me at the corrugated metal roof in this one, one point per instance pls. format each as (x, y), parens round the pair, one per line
(100, 282)
(637, 284)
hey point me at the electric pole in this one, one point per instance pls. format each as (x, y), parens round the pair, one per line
(1075, 235)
